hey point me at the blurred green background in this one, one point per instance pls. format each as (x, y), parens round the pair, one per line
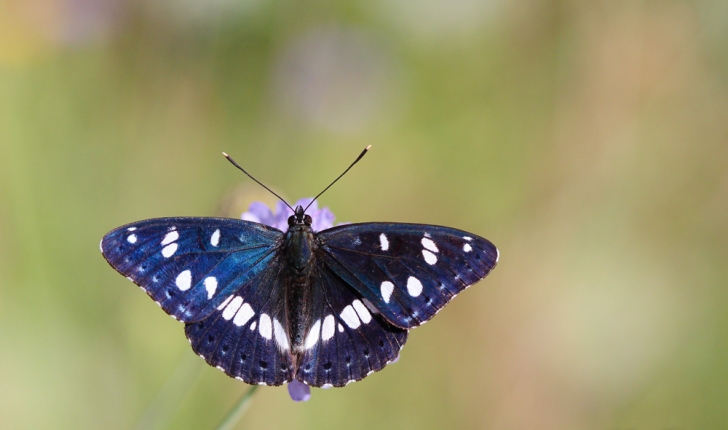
(587, 139)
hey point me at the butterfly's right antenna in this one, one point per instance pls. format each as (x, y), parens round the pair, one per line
(230, 159)
(347, 169)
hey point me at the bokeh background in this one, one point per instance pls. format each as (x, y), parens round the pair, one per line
(587, 139)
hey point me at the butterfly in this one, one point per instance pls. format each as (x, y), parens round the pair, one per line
(325, 308)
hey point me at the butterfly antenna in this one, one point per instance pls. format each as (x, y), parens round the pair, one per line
(230, 159)
(339, 177)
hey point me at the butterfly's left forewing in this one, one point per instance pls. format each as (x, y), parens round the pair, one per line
(407, 271)
(189, 266)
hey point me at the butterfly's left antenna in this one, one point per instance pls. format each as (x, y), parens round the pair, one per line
(230, 159)
(339, 177)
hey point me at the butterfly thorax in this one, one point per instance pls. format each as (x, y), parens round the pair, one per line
(299, 250)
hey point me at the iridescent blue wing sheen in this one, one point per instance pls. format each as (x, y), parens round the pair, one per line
(246, 336)
(407, 271)
(348, 338)
(189, 266)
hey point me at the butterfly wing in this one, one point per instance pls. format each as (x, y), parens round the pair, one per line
(349, 339)
(245, 336)
(189, 266)
(407, 271)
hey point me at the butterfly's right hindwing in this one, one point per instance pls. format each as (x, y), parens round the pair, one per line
(189, 266)
(348, 338)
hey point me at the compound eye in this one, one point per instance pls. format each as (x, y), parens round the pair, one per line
(307, 219)
(291, 221)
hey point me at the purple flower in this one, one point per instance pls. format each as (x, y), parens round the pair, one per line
(322, 219)
(299, 391)
(259, 212)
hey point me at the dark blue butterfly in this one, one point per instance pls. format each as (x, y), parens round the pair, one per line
(325, 308)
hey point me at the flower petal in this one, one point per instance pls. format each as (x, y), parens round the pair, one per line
(249, 216)
(323, 219)
(299, 391)
(259, 212)
(281, 216)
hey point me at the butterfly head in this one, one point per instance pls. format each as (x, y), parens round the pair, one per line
(299, 217)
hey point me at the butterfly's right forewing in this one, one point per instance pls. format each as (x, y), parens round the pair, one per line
(189, 266)
(407, 271)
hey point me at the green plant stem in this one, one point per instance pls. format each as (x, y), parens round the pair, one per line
(167, 402)
(237, 411)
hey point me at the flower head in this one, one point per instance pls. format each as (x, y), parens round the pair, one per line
(259, 212)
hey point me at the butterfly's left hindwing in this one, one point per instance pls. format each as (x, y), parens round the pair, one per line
(246, 336)
(190, 265)
(407, 271)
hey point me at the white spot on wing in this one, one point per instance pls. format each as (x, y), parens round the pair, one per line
(244, 315)
(387, 288)
(210, 286)
(232, 308)
(369, 305)
(430, 258)
(349, 317)
(265, 329)
(252, 326)
(467, 247)
(215, 238)
(326, 386)
(131, 229)
(429, 244)
(132, 238)
(362, 311)
(341, 328)
(170, 237)
(383, 242)
(313, 335)
(327, 330)
(414, 286)
(280, 335)
(169, 250)
(468, 238)
(184, 280)
(224, 303)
